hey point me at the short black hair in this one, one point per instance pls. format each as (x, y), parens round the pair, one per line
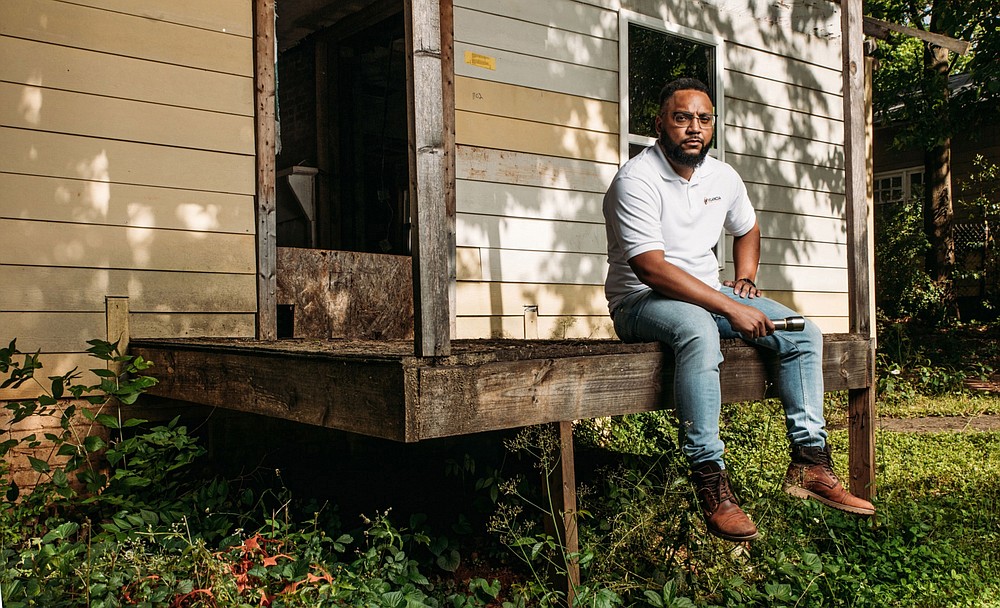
(684, 84)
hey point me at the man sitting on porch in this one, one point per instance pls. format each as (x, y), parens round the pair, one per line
(664, 212)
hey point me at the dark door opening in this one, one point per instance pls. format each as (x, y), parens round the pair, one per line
(343, 130)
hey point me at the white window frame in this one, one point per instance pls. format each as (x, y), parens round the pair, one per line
(625, 17)
(906, 177)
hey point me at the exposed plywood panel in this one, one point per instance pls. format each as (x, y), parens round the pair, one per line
(505, 167)
(228, 16)
(499, 99)
(343, 294)
(96, 246)
(511, 200)
(48, 288)
(35, 197)
(785, 173)
(765, 144)
(501, 133)
(535, 72)
(83, 27)
(67, 156)
(569, 15)
(511, 34)
(782, 121)
(52, 66)
(750, 88)
(51, 110)
(529, 234)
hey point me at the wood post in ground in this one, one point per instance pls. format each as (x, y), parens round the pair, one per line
(562, 489)
(861, 406)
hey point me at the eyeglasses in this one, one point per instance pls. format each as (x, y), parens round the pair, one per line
(683, 119)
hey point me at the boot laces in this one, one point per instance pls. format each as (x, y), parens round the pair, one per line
(718, 481)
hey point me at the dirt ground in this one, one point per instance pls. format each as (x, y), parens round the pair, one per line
(937, 424)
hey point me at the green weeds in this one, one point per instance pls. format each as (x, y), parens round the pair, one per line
(126, 519)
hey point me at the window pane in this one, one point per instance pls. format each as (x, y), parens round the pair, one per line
(654, 59)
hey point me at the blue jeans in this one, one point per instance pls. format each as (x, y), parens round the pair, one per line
(693, 334)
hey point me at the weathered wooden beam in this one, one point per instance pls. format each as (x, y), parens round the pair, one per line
(860, 257)
(462, 399)
(264, 57)
(876, 28)
(432, 247)
(448, 96)
(361, 395)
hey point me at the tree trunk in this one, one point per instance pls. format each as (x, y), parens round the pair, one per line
(938, 209)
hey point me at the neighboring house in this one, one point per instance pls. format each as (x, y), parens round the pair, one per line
(898, 177)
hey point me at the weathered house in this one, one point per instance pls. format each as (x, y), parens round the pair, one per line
(899, 179)
(142, 195)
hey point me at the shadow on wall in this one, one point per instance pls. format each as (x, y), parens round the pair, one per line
(783, 131)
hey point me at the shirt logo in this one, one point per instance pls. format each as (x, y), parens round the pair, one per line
(712, 199)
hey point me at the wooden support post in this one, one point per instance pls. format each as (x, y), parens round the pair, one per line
(861, 401)
(264, 85)
(562, 490)
(116, 311)
(116, 318)
(432, 247)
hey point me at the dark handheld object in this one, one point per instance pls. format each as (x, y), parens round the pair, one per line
(789, 324)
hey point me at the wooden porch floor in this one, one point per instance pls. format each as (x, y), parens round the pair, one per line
(380, 389)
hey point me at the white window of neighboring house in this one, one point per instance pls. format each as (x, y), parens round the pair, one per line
(897, 186)
(651, 53)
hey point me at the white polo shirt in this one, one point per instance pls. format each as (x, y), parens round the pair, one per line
(649, 207)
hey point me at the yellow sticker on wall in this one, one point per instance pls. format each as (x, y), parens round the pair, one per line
(480, 61)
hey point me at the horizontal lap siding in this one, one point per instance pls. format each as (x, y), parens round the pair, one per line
(537, 129)
(537, 145)
(127, 169)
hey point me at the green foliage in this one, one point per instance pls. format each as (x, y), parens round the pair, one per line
(140, 527)
(156, 533)
(914, 360)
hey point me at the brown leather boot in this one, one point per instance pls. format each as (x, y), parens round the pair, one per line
(810, 475)
(723, 516)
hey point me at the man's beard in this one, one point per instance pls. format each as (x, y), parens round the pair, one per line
(675, 153)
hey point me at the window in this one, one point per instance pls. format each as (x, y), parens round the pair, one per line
(653, 53)
(898, 186)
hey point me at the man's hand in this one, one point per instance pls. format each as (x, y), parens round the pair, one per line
(750, 322)
(744, 288)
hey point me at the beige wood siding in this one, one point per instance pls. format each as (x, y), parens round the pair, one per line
(537, 133)
(126, 169)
